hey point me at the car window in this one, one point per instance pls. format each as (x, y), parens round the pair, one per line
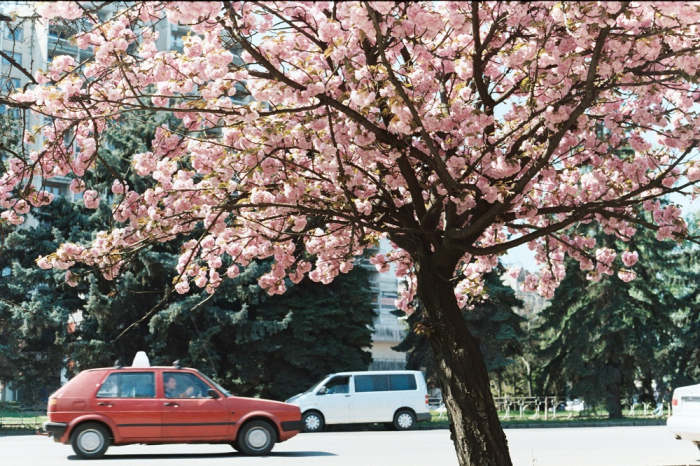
(184, 385)
(128, 385)
(339, 384)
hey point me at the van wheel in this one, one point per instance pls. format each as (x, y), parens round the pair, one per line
(404, 420)
(90, 441)
(313, 422)
(256, 438)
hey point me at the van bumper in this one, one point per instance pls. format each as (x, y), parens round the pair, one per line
(423, 417)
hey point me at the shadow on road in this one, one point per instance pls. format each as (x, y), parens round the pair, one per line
(283, 454)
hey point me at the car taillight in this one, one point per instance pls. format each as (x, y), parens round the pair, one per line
(675, 402)
(53, 402)
(426, 399)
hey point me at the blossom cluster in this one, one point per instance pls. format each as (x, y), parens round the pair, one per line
(392, 120)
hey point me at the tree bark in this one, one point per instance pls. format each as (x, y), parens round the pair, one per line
(476, 430)
(614, 399)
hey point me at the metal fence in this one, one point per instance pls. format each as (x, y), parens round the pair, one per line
(551, 408)
(18, 416)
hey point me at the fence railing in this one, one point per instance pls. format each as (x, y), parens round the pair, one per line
(551, 408)
(18, 416)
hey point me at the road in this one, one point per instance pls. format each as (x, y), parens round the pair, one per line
(603, 446)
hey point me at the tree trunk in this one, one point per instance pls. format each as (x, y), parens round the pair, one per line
(476, 430)
(528, 374)
(614, 399)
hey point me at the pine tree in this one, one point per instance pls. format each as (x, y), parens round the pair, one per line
(271, 346)
(600, 337)
(36, 305)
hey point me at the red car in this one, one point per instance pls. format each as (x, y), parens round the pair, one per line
(157, 405)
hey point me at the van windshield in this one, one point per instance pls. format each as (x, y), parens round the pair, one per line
(316, 385)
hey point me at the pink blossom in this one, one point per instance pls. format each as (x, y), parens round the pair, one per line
(119, 187)
(71, 279)
(77, 186)
(629, 258)
(626, 275)
(91, 199)
(65, 10)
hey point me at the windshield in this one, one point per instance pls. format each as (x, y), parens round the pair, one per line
(218, 387)
(317, 384)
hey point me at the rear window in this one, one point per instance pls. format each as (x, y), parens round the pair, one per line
(128, 385)
(383, 383)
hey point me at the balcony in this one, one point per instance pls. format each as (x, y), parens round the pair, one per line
(392, 333)
(60, 45)
(387, 365)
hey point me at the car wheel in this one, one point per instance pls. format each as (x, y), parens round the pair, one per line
(404, 420)
(313, 422)
(90, 441)
(256, 438)
(235, 445)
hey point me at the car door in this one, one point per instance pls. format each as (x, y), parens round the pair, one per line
(334, 399)
(189, 413)
(129, 400)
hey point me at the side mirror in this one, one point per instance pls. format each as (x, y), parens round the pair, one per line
(211, 393)
(322, 391)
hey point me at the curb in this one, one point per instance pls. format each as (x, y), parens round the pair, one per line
(12, 433)
(555, 424)
(640, 423)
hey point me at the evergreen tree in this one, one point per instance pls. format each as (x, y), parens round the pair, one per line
(494, 322)
(36, 305)
(600, 337)
(257, 344)
(682, 356)
(271, 346)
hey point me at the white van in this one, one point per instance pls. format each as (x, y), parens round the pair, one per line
(398, 398)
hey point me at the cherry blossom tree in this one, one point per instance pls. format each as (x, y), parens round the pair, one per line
(456, 130)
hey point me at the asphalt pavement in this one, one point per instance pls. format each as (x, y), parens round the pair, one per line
(588, 446)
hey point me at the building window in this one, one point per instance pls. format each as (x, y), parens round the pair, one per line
(12, 84)
(17, 57)
(16, 34)
(55, 189)
(178, 43)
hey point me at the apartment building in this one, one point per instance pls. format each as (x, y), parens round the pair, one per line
(389, 328)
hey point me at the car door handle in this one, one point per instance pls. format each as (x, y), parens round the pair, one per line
(175, 405)
(104, 404)
(347, 396)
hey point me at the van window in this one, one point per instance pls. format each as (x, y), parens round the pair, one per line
(128, 385)
(339, 384)
(402, 382)
(382, 383)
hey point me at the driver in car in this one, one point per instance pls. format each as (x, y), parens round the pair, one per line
(171, 387)
(173, 391)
